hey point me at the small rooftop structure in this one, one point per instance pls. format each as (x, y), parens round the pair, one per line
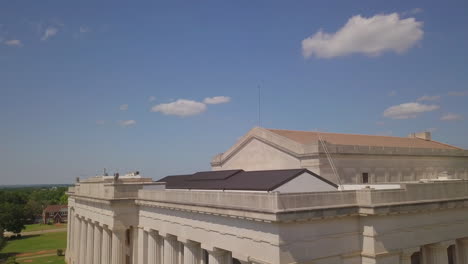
(291, 180)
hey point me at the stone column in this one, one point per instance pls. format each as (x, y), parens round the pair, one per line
(106, 254)
(69, 233)
(118, 246)
(435, 253)
(142, 246)
(76, 238)
(90, 242)
(170, 250)
(97, 244)
(462, 250)
(217, 256)
(154, 249)
(83, 240)
(406, 255)
(192, 252)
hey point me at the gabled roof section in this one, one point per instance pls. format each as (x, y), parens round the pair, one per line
(308, 137)
(265, 180)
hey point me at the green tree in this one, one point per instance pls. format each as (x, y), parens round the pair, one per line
(64, 199)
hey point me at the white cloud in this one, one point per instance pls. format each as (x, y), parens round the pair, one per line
(181, 107)
(428, 98)
(84, 29)
(451, 117)
(49, 32)
(13, 43)
(371, 36)
(151, 98)
(127, 123)
(408, 110)
(462, 93)
(217, 100)
(123, 107)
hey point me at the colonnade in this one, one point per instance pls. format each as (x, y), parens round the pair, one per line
(447, 252)
(158, 248)
(90, 242)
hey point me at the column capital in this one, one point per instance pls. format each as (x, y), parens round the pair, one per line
(188, 242)
(442, 244)
(168, 236)
(216, 251)
(407, 252)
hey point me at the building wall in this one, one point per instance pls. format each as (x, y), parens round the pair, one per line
(386, 168)
(305, 183)
(257, 155)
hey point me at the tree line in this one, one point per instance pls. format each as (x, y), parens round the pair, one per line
(21, 206)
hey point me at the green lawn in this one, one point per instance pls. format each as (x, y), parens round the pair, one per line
(40, 227)
(35, 243)
(44, 260)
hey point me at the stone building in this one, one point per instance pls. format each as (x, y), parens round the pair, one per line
(253, 211)
(357, 158)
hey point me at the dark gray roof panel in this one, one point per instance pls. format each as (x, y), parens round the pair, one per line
(266, 180)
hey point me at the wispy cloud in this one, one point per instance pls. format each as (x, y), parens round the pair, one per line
(380, 123)
(181, 107)
(392, 93)
(13, 43)
(127, 123)
(84, 29)
(451, 117)
(428, 98)
(408, 110)
(100, 122)
(217, 100)
(123, 107)
(413, 11)
(49, 32)
(151, 99)
(370, 36)
(458, 93)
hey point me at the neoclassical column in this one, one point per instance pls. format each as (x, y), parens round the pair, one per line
(118, 246)
(142, 246)
(76, 239)
(462, 250)
(83, 240)
(154, 249)
(406, 254)
(90, 242)
(192, 252)
(106, 252)
(69, 234)
(97, 244)
(217, 256)
(436, 253)
(170, 249)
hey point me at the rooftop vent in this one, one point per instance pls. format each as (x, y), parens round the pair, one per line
(422, 135)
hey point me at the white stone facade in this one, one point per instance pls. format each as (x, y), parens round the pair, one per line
(123, 221)
(262, 149)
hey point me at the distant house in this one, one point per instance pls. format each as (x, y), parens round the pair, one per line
(55, 214)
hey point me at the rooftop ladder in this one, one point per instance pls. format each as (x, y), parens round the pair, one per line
(330, 159)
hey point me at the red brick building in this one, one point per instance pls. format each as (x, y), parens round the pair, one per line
(55, 214)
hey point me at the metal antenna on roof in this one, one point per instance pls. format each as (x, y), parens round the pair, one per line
(330, 159)
(259, 101)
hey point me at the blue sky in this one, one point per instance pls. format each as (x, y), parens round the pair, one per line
(163, 86)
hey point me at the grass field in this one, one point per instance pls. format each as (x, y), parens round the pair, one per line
(40, 227)
(48, 242)
(43, 260)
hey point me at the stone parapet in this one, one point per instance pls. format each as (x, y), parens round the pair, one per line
(337, 202)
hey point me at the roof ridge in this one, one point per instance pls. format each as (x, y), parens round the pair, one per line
(352, 134)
